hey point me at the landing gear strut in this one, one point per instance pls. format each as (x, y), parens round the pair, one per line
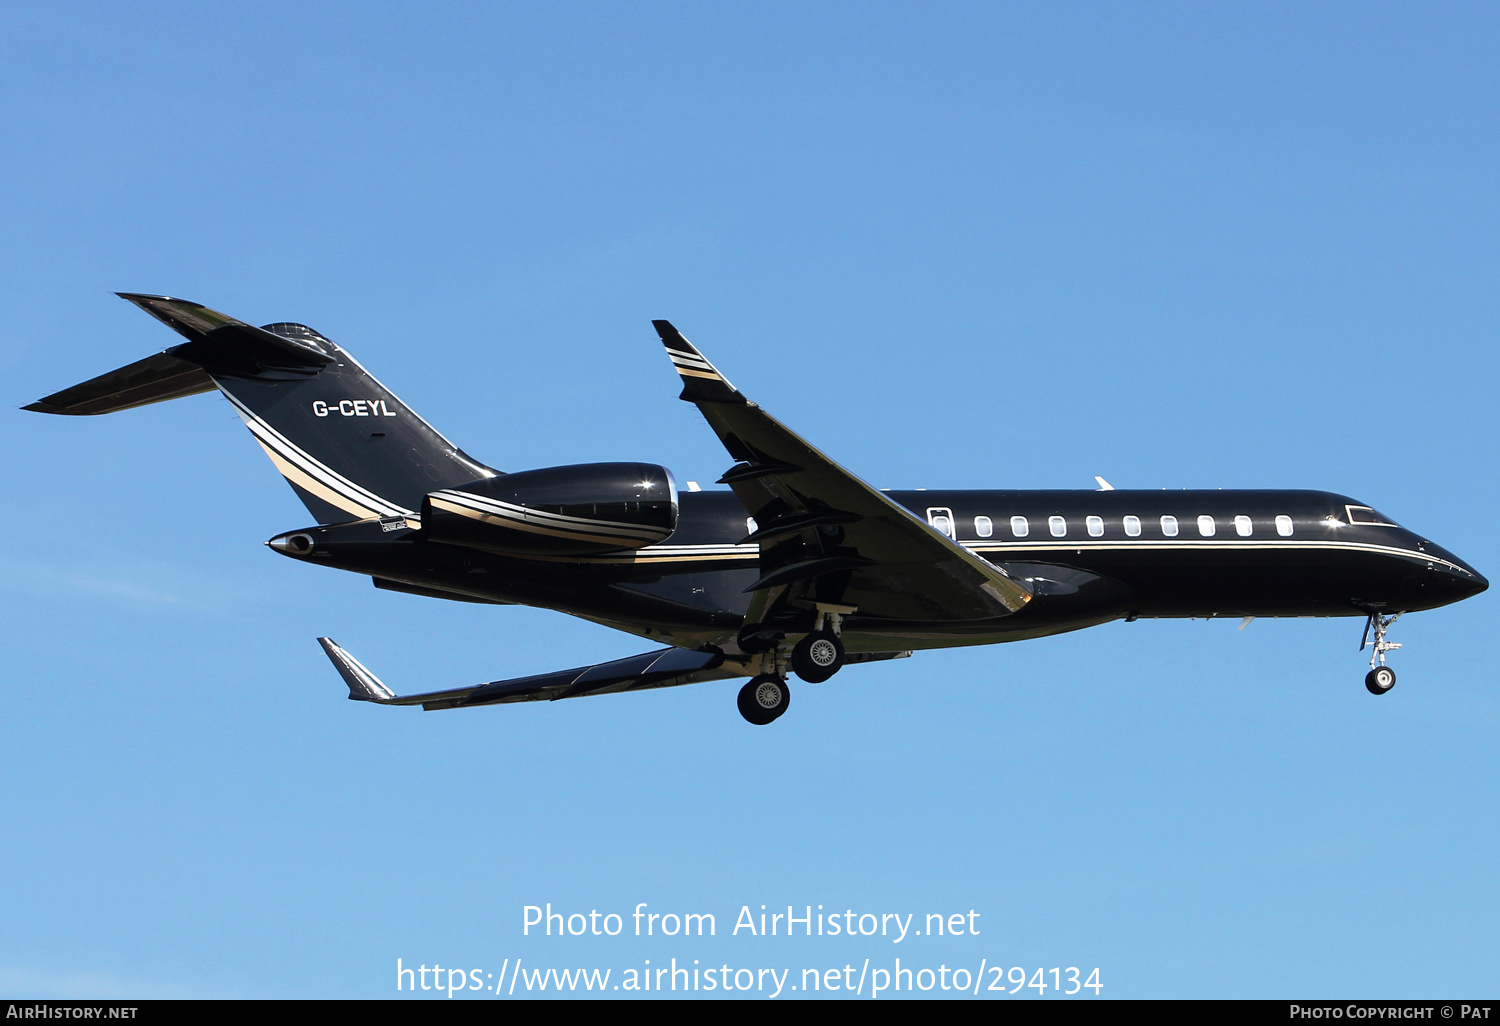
(1381, 677)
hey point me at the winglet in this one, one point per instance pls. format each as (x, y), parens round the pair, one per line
(364, 686)
(701, 380)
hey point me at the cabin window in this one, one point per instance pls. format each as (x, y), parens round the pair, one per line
(1058, 526)
(1019, 527)
(984, 526)
(1242, 526)
(1095, 526)
(1169, 526)
(1133, 526)
(1206, 526)
(941, 519)
(750, 526)
(1284, 526)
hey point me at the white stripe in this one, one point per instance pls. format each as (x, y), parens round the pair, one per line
(694, 364)
(1062, 544)
(513, 512)
(305, 481)
(289, 449)
(323, 475)
(314, 468)
(619, 539)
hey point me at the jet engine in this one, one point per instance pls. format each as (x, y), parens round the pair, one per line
(557, 511)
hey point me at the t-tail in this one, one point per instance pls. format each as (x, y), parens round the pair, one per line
(349, 448)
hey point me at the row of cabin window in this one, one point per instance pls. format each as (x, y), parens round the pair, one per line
(1020, 527)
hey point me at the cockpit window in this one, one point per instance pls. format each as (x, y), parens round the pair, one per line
(1366, 515)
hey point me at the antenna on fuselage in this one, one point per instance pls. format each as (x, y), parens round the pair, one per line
(1104, 486)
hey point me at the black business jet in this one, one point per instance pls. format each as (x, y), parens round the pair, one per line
(800, 565)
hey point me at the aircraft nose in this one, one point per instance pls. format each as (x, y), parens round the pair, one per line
(1474, 582)
(1460, 579)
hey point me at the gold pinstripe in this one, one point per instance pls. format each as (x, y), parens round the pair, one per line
(652, 555)
(311, 484)
(522, 525)
(1061, 546)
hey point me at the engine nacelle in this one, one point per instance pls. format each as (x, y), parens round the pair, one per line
(557, 511)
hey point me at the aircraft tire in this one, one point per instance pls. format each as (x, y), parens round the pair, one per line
(818, 656)
(1380, 680)
(764, 699)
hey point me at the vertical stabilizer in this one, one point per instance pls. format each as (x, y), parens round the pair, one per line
(348, 447)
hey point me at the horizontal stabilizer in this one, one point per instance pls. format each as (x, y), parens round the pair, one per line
(152, 380)
(663, 668)
(226, 344)
(217, 344)
(190, 320)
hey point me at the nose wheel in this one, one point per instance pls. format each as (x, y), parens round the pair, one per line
(1381, 677)
(1380, 680)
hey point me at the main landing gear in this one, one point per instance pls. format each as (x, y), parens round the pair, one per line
(764, 699)
(1381, 677)
(820, 654)
(815, 658)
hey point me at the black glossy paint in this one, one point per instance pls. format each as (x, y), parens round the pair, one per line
(735, 572)
(1327, 567)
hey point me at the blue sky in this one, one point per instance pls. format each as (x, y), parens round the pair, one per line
(955, 245)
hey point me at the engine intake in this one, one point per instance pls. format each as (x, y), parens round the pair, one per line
(557, 511)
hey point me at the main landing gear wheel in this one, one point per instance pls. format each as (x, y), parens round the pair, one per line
(764, 699)
(818, 656)
(1380, 680)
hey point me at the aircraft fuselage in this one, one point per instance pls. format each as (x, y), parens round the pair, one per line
(1089, 557)
(799, 566)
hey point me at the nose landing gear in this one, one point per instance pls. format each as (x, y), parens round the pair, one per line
(1380, 680)
(1381, 677)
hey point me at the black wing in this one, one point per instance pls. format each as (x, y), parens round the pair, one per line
(826, 537)
(663, 668)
